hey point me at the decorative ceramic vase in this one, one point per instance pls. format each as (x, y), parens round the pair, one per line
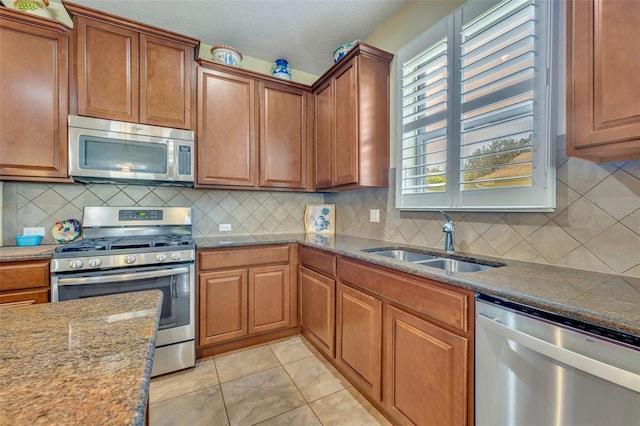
(226, 55)
(281, 69)
(342, 50)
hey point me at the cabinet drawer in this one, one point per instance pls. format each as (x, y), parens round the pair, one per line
(21, 275)
(238, 257)
(320, 261)
(429, 299)
(24, 298)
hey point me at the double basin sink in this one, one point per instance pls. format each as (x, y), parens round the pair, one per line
(448, 264)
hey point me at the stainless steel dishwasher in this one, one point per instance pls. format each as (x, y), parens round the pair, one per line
(537, 368)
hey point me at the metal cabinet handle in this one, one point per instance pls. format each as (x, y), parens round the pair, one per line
(121, 277)
(592, 366)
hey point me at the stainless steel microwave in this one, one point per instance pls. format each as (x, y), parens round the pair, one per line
(119, 152)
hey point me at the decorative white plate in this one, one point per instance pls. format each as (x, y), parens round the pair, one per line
(66, 230)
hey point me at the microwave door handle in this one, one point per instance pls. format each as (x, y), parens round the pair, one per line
(121, 277)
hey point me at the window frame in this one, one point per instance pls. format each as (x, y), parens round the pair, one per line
(516, 199)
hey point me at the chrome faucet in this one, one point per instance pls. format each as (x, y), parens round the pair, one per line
(448, 230)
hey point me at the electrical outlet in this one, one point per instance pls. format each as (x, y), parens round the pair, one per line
(224, 227)
(374, 215)
(33, 231)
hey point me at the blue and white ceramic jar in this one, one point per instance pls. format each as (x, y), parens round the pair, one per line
(281, 69)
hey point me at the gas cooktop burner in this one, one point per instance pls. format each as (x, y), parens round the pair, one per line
(123, 243)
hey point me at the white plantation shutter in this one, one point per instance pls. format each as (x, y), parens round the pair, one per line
(476, 115)
(424, 120)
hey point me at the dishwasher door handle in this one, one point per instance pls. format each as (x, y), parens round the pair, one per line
(592, 366)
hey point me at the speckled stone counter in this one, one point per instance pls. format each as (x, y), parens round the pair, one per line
(609, 300)
(82, 362)
(15, 253)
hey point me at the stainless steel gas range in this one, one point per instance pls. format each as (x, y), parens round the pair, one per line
(135, 249)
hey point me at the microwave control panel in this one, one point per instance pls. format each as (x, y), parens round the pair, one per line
(184, 160)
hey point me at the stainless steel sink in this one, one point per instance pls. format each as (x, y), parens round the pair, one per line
(434, 261)
(453, 265)
(402, 254)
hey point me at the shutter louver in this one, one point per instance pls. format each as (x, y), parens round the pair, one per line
(497, 95)
(424, 120)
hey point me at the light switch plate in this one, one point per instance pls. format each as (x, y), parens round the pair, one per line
(374, 215)
(224, 227)
(33, 231)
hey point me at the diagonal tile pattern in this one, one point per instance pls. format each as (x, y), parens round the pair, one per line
(249, 212)
(300, 388)
(596, 224)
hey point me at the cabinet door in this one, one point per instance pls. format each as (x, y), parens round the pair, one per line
(33, 99)
(165, 82)
(24, 298)
(359, 337)
(269, 288)
(317, 308)
(283, 137)
(223, 306)
(426, 372)
(346, 145)
(226, 129)
(603, 88)
(107, 70)
(324, 136)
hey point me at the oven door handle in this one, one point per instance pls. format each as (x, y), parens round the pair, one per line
(121, 277)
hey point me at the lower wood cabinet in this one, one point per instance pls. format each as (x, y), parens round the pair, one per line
(24, 283)
(317, 309)
(426, 371)
(405, 342)
(245, 292)
(359, 338)
(269, 301)
(223, 305)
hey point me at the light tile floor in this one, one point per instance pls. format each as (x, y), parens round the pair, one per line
(286, 382)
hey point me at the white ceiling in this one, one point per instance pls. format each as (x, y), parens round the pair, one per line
(304, 32)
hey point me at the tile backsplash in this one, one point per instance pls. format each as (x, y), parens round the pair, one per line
(248, 212)
(596, 224)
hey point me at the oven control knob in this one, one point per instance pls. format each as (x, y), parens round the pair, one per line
(75, 264)
(129, 259)
(95, 262)
(176, 256)
(161, 257)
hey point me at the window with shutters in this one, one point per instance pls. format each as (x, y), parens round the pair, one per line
(477, 110)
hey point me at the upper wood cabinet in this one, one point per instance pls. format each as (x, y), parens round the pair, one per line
(283, 136)
(132, 72)
(352, 122)
(33, 101)
(252, 130)
(603, 88)
(226, 129)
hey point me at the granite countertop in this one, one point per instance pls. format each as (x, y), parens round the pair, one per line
(84, 361)
(609, 300)
(19, 253)
(612, 301)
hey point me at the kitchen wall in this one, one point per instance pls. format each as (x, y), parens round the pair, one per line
(596, 225)
(248, 212)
